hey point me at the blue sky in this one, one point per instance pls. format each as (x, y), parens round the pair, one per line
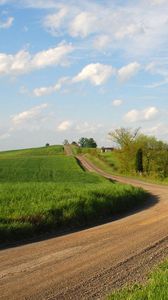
(81, 68)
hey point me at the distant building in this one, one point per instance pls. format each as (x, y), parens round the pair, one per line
(107, 149)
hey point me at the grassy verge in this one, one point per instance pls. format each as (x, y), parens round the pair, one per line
(155, 289)
(42, 192)
(110, 168)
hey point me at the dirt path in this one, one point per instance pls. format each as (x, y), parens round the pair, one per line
(68, 150)
(90, 263)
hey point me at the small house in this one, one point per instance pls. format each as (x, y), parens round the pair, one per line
(107, 149)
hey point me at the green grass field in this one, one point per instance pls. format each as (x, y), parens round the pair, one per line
(155, 289)
(43, 190)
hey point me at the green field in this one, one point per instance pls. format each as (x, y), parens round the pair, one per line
(43, 190)
(155, 289)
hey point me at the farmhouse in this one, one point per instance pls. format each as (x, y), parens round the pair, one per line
(107, 149)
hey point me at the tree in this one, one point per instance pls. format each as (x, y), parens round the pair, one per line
(75, 144)
(87, 142)
(65, 142)
(140, 152)
(47, 144)
(124, 137)
(139, 161)
(92, 143)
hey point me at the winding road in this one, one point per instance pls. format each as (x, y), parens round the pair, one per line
(88, 264)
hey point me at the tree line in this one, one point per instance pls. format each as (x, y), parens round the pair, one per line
(140, 153)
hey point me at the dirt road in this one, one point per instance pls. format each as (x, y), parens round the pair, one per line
(68, 150)
(90, 263)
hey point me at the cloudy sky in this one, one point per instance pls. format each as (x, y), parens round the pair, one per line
(82, 68)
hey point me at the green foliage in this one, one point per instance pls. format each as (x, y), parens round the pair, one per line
(155, 154)
(41, 192)
(155, 289)
(124, 137)
(87, 142)
(139, 161)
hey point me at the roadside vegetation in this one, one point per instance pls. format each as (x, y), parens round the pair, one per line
(43, 190)
(134, 154)
(155, 289)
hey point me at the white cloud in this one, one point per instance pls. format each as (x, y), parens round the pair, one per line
(85, 127)
(54, 21)
(127, 72)
(43, 91)
(159, 69)
(157, 84)
(79, 127)
(97, 73)
(136, 28)
(31, 114)
(65, 125)
(129, 31)
(7, 24)
(157, 2)
(83, 24)
(23, 62)
(160, 130)
(101, 42)
(54, 56)
(147, 114)
(117, 102)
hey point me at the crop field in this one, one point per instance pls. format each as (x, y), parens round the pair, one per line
(43, 190)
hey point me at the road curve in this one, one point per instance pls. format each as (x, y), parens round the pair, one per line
(90, 263)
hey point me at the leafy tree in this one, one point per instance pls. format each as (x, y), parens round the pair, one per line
(74, 143)
(141, 153)
(65, 142)
(47, 144)
(92, 143)
(87, 142)
(124, 137)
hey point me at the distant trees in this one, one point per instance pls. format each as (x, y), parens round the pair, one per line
(87, 142)
(47, 144)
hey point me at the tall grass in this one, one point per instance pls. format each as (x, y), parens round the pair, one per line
(44, 192)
